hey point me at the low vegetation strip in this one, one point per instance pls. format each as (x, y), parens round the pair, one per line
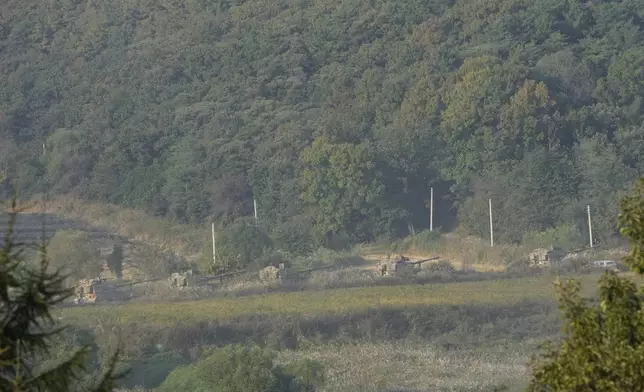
(126, 222)
(305, 304)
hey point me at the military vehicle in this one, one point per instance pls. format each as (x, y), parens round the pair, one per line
(546, 257)
(271, 274)
(93, 290)
(182, 279)
(609, 265)
(281, 274)
(89, 291)
(402, 266)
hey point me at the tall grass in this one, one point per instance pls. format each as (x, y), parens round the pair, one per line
(460, 336)
(406, 367)
(413, 367)
(465, 252)
(385, 339)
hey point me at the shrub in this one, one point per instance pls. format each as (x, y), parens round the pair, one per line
(425, 240)
(294, 237)
(443, 266)
(115, 261)
(564, 236)
(244, 368)
(242, 245)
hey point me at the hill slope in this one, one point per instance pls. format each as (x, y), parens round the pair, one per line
(78, 229)
(192, 109)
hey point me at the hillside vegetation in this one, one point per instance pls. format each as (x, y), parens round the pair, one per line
(336, 116)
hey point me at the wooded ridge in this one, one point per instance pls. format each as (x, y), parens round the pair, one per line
(336, 116)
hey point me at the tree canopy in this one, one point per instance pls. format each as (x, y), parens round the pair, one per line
(336, 115)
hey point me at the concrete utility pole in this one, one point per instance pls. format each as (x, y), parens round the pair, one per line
(590, 227)
(214, 248)
(44, 213)
(431, 209)
(491, 227)
(255, 208)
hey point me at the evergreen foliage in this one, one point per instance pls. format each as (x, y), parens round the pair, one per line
(603, 349)
(28, 329)
(115, 261)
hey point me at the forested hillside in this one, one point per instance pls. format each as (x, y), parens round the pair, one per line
(337, 116)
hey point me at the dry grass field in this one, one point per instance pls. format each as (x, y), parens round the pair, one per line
(466, 336)
(314, 303)
(412, 367)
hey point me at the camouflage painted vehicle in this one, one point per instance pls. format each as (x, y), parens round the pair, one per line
(281, 274)
(552, 256)
(182, 279)
(402, 266)
(89, 291)
(545, 257)
(272, 274)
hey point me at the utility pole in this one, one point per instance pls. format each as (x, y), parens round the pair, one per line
(214, 248)
(44, 213)
(431, 209)
(491, 227)
(255, 208)
(590, 227)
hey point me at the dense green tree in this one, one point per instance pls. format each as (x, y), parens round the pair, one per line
(193, 110)
(28, 295)
(603, 347)
(603, 173)
(115, 261)
(538, 189)
(241, 245)
(341, 188)
(245, 368)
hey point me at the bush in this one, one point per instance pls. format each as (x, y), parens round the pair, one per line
(443, 266)
(244, 368)
(115, 261)
(522, 267)
(424, 240)
(155, 260)
(564, 236)
(294, 237)
(241, 245)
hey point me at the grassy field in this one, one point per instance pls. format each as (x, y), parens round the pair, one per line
(468, 336)
(409, 367)
(313, 303)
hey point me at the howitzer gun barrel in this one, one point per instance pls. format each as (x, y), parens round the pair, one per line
(224, 275)
(581, 249)
(316, 268)
(138, 282)
(424, 260)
